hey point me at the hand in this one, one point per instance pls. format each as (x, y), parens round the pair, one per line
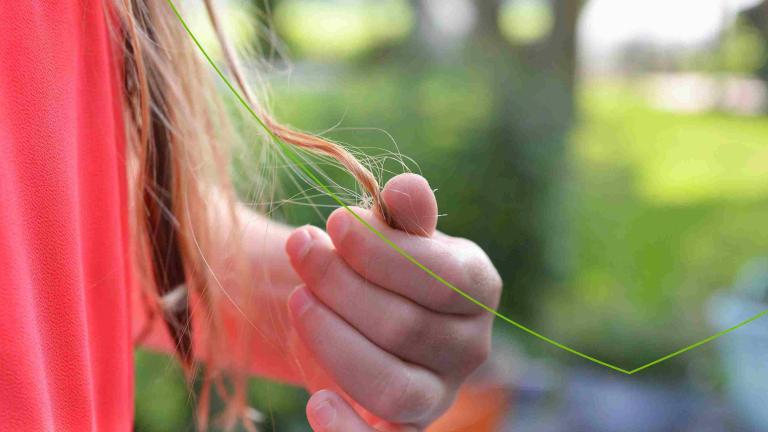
(392, 338)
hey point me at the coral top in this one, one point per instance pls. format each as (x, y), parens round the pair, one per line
(65, 343)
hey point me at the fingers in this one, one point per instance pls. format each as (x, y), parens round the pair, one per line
(461, 263)
(328, 412)
(449, 344)
(382, 383)
(411, 204)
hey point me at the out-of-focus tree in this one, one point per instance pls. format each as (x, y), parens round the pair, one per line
(338, 32)
(757, 16)
(514, 172)
(562, 43)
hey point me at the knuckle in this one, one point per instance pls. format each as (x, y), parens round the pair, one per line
(487, 273)
(468, 268)
(391, 396)
(471, 347)
(327, 265)
(497, 285)
(403, 400)
(356, 250)
(354, 240)
(405, 331)
(484, 277)
(477, 353)
(463, 273)
(443, 297)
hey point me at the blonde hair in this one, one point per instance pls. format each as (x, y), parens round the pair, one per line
(178, 135)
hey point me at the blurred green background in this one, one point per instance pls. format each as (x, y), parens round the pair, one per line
(613, 165)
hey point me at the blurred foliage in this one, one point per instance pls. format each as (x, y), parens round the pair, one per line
(164, 403)
(743, 49)
(328, 30)
(526, 21)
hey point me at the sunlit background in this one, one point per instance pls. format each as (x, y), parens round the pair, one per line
(611, 156)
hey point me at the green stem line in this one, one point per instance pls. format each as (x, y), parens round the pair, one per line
(296, 159)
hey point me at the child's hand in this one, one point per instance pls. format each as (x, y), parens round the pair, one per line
(393, 338)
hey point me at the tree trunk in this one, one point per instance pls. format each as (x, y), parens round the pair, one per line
(758, 17)
(562, 45)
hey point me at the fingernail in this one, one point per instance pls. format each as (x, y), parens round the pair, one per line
(340, 225)
(324, 413)
(299, 302)
(299, 243)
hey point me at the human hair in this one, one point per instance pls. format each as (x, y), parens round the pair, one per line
(178, 134)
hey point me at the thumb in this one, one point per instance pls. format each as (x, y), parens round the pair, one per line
(411, 204)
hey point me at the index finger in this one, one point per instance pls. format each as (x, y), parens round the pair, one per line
(376, 261)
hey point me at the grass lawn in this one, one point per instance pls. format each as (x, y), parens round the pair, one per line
(664, 209)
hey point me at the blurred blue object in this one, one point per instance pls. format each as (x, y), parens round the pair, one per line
(745, 351)
(594, 400)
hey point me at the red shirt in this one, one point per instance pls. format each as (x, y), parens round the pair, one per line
(65, 343)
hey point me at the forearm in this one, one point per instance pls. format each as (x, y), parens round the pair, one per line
(261, 241)
(264, 245)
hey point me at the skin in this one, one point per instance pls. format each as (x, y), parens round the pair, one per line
(380, 344)
(403, 342)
